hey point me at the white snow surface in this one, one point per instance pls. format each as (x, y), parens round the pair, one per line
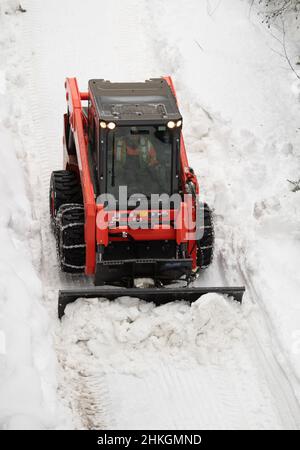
(129, 364)
(27, 357)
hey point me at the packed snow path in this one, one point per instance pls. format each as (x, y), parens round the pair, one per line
(128, 364)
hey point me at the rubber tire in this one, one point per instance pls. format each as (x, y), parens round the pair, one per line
(205, 245)
(69, 235)
(64, 188)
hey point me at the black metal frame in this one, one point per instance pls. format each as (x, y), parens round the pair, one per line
(125, 271)
(101, 142)
(156, 89)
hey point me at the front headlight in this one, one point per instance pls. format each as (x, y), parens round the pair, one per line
(111, 125)
(171, 124)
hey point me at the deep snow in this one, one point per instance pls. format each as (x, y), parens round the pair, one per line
(27, 357)
(129, 364)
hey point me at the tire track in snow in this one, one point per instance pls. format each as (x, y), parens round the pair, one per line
(272, 356)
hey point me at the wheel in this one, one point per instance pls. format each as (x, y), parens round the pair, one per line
(205, 245)
(70, 238)
(64, 188)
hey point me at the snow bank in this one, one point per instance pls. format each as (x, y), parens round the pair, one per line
(9, 6)
(27, 359)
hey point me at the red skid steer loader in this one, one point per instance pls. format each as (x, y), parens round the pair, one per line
(126, 207)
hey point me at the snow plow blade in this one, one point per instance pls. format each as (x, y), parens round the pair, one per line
(156, 295)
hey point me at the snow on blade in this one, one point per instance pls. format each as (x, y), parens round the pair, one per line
(173, 366)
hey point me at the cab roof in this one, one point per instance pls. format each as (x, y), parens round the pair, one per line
(146, 103)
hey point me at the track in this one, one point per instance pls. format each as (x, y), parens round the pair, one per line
(212, 366)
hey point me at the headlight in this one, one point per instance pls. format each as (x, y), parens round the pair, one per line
(178, 123)
(103, 124)
(111, 125)
(171, 124)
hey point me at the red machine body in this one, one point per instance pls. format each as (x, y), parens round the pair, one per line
(104, 242)
(93, 234)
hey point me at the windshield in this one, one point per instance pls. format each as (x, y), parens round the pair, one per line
(141, 159)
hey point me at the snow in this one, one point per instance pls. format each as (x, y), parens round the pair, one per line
(185, 356)
(248, 149)
(129, 364)
(27, 358)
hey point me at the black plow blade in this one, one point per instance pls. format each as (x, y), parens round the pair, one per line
(156, 295)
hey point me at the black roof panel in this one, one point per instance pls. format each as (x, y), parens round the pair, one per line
(151, 101)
